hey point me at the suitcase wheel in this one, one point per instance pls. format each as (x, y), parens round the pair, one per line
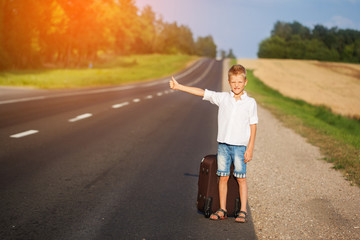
(237, 206)
(207, 207)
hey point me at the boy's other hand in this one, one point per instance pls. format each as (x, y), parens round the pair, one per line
(248, 155)
(173, 83)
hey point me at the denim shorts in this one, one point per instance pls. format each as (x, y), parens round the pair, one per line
(228, 154)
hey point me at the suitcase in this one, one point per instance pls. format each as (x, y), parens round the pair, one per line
(208, 189)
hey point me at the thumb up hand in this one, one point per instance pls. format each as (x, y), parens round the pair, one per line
(173, 83)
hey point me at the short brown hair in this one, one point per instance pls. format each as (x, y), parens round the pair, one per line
(237, 70)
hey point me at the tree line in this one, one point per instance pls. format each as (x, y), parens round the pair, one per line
(74, 33)
(295, 41)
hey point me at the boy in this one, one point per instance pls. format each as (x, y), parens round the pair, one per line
(237, 120)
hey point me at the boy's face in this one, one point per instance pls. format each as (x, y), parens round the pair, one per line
(237, 84)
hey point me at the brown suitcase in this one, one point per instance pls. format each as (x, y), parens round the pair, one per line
(208, 189)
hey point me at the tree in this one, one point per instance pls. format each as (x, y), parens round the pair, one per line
(295, 47)
(22, 23)
(293, 40)
(205, 46)
(274, 47)
(287, 30)
(282, 30)
(185, 41)
(146, 36)
(230, 54)
(72, 33)
(300, 30)
(222, 53)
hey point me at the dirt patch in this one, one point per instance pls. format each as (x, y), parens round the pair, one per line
(335, 85)
(351, 70)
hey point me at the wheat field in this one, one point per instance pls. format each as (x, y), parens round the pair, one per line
(335, 85)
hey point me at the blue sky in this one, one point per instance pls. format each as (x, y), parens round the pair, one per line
(242, 24)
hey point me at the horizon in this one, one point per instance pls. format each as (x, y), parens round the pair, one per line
(206, 18)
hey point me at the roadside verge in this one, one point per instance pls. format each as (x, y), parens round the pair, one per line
(292, 193)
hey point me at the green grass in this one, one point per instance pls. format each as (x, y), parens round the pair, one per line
(117, 71)
(337, 137)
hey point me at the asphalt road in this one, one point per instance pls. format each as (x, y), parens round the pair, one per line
(109, 163)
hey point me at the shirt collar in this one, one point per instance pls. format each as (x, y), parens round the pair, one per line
(242, 96)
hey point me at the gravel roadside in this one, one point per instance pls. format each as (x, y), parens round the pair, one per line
(293, 194)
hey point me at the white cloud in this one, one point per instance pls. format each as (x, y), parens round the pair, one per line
(341, 22)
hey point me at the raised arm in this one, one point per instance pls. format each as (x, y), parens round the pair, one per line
(192, 90)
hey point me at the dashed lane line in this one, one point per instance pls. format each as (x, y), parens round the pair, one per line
(24, 134)
(80, 117)
(87, 115)
(120, 105)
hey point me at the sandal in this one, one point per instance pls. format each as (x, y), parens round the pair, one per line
(218, 217)
(244, 218)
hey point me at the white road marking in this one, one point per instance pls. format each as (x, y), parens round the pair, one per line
(149, 97)
(178, 76)
(24, 134)
(113, 89)
(120, 105)
(22, 100)
(152, 83)
(159, 94)
(166, 92)
(189, 70)
(136, 100)
(96, 91)
(202, 75)
(80, 117)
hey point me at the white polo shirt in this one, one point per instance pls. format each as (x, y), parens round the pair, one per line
(234, 117)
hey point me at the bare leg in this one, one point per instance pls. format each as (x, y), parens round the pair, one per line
(222, 194)
(223, 191)
(243, 197)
